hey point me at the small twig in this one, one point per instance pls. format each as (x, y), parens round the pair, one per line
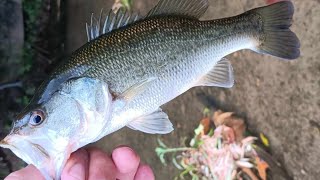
(10, 85)
(41, 50)
(162, 151)
(44, 57)
(174, 149)
(249, 173)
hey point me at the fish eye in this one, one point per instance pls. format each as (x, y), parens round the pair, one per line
(36, 118)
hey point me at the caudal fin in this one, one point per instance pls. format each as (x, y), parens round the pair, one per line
(278, 40)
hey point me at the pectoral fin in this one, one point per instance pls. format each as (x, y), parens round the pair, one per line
(221, 75)
(128, 95)
(154, 123)
(137, 89)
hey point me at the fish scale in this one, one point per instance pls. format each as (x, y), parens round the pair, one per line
(134, 52)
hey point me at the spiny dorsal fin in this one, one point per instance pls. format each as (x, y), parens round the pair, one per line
(192, 8)
(111, 21)
(221, 75)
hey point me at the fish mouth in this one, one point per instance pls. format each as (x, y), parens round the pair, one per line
(49, 163)
(4, 143)
(23, 148)
(31, 153)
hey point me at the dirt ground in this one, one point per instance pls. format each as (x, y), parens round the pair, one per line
(278, 98)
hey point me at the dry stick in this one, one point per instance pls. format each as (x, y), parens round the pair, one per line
(10, 85)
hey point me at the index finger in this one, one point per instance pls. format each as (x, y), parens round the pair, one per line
(77, 166)
(101, 165)
(28, 173)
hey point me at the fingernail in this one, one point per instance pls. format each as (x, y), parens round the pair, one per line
(13, 177)
(124, 148)
(77, 171)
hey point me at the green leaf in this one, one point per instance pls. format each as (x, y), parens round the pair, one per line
(199, 129)
(161, 143)
(126, 3)
(211, 132)
(176, 164)
(193, 175)
(160, 153)
(206, 112)
(264, 140)
(219, 143)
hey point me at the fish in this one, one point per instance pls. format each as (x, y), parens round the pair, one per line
(131, 66)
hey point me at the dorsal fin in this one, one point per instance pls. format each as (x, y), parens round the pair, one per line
(192, 8)
(111, 21)
(97, 27)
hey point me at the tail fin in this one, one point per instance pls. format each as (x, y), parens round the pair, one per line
(278, 39)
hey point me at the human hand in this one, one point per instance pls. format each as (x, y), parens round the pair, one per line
(94, 164)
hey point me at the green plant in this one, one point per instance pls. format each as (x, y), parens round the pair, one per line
(31, 11)
(219, 152)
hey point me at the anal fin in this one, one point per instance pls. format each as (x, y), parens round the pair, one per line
(154, 123)
(221, 75)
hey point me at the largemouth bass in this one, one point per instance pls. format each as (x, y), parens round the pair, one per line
(131, 66)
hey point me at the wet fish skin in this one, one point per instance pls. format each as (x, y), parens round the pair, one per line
(142, 49)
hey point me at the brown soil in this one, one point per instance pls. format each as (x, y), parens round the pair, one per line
(278, 98)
